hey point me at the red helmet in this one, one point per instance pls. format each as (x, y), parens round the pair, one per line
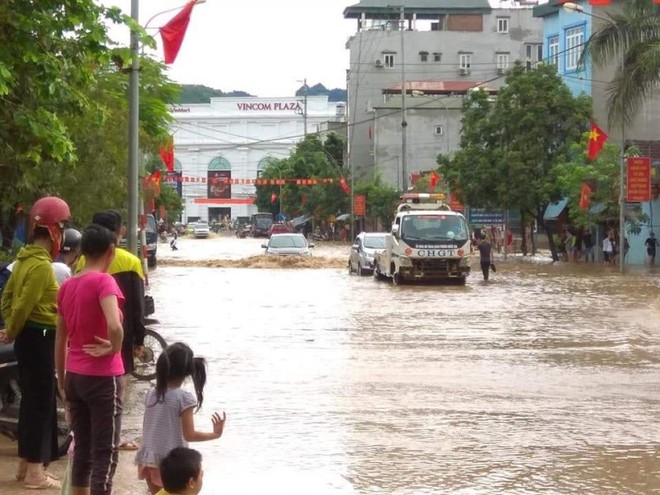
(50, 212)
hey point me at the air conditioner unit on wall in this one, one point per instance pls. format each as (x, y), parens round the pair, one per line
(378, 63)
(464, 71)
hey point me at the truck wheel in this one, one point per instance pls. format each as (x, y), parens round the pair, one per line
(377, 275)
(397, 279)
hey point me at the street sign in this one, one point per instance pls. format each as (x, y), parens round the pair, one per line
(360, 204)
(639, 179)
(485, 216)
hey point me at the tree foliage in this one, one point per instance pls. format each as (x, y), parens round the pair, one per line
(312, 159)
(510, 145)
(381, 200)
(64, 104)
(602, 177)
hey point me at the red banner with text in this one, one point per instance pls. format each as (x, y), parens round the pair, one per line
(639, 179)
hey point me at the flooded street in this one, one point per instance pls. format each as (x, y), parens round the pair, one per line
(543, 381)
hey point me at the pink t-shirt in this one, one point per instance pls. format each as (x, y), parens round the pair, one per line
(79, 303)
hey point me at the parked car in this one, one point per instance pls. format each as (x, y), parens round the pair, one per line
(287, 245)
(279, 228)
(201, 230)
(361, 259)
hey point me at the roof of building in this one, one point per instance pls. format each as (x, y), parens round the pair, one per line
(547, 8)
(438, 87)
(419, 7)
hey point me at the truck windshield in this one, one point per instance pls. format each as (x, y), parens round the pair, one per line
(434, 227)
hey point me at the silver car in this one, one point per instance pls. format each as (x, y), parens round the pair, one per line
(201, 230)
(361, 259)
(288, 245)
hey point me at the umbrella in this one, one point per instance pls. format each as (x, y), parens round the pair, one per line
(344, 218)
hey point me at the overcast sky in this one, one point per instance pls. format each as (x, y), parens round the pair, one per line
(259, 46)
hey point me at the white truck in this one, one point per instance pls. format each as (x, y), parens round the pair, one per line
(428, 243)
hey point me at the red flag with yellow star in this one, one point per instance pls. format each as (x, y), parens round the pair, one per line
(585, 196)
(597, 139)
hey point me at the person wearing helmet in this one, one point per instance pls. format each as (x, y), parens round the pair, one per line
(29, 308)
(69, 253)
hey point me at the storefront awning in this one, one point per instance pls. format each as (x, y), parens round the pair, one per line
(553, 210)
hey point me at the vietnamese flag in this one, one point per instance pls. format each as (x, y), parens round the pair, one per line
(585, 196)
(602, 2)
(435, 178)
(174, 31)
(167, 154)
(597, 139)
(344, 185)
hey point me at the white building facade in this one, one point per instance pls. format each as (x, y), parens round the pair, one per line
(221, 147)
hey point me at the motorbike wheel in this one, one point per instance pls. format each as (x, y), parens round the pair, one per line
(145, 365)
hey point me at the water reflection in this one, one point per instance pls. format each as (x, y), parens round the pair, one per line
(544, 380)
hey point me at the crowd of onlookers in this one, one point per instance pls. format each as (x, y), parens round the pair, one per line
(78, 335)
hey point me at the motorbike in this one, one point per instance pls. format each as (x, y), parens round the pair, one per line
(243, 232)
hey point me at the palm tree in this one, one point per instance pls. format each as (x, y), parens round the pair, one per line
(634, 34)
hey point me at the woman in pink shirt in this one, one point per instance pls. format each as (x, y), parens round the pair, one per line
(90, 322)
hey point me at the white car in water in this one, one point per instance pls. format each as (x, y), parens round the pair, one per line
(363, 251)
(201, 230)
(288, 245)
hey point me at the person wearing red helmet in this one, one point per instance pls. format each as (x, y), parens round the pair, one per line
(29, 308)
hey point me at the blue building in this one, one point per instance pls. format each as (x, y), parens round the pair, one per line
(564, 33)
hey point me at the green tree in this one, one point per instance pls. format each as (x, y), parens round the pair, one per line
(312, 159)
(50, 53)
(633, 34)
(381, 200)
(97, 178)
(510, 145)
(602, 177)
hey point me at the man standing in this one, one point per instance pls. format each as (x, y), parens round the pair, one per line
(485, 255)
(588, 246)
(651, 244)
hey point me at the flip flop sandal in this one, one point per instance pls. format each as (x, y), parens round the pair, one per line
(21, 476)
(129, 446)
(46, 484)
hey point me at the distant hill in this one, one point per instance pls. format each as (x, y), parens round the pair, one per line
(197, 93)
(336, 94)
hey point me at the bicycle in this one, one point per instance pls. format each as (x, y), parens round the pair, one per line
(154, 344)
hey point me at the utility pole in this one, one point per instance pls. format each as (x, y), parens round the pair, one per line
(133, 134)
(305, 106)
(404, 124)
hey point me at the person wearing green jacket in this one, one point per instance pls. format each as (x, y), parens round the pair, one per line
(29, 309)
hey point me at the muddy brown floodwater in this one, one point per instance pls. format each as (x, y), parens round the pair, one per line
(544, 380)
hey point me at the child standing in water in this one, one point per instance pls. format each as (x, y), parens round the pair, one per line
(168, 416)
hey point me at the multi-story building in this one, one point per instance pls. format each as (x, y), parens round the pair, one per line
(564, 33)
(221, 147)
(455, 42)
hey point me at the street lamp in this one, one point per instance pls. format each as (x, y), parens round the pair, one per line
(574, 7)
(133, 126)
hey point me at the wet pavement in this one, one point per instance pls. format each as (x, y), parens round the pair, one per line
(544, 380)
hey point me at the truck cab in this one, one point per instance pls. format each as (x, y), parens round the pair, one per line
(428, 242)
